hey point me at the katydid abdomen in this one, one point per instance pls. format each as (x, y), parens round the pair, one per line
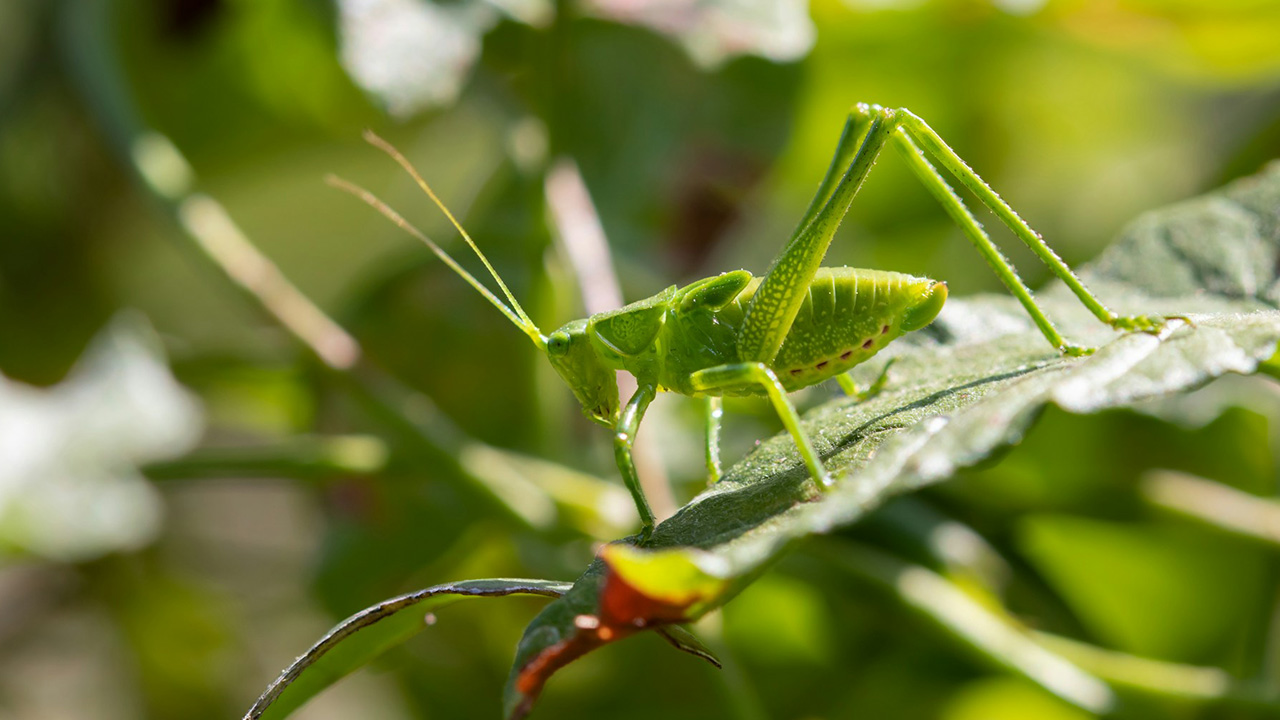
(847, 316)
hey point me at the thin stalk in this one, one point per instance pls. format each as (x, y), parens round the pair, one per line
(1078, 672)
(1161, 679)
(1219, 506)
(305, 456)
(991, 635)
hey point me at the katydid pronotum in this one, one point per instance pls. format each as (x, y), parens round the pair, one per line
(799, 325)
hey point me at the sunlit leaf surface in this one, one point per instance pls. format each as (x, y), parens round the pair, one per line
(412, 55)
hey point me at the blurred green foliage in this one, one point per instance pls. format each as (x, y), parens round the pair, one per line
(700, 142)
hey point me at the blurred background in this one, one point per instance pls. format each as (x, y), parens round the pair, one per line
(238, 405)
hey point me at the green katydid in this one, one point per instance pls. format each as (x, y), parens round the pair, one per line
(799, 325)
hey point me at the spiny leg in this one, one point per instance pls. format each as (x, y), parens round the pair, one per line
(714, 413)
(774, 306)
(624, 436)
(924, 137)
(955, 207)
(753, 373)
(855, 128)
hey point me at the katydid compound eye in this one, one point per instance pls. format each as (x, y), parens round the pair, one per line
(558, 343)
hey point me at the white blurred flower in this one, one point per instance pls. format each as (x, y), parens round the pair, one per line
(69, 484)
(714, 31)
(416, 54)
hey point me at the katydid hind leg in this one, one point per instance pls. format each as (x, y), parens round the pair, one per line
(924, 137)
(758, 374)
(855, 128)
(776, 302)
(969, 225)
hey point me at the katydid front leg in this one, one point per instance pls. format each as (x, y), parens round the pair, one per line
(624, 437)
(714, 413)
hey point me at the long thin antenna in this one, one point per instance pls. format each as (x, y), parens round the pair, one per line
(521, 321)
(372, 138)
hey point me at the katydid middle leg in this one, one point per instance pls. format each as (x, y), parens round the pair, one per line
(750, 373)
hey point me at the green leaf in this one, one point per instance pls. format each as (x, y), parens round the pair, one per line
(364, 636)
(1129, 583)
(1004, 698)
(963, 388)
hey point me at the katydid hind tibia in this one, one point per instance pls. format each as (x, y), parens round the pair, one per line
(798, 325)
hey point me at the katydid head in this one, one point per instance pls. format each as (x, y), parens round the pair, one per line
(593, 382)
(925, 306)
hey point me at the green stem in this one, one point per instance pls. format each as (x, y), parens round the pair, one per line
(1077, 672)
(300, 457)
(948, 545)
(991, 635)
(1162, 679)
(160, 167)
